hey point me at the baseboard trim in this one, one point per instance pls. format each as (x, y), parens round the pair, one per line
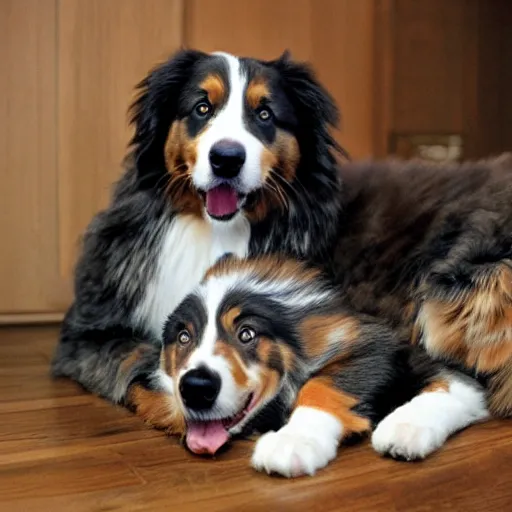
(30, 318)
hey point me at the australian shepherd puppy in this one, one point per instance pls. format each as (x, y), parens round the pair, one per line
(234, 155)
(269, 339)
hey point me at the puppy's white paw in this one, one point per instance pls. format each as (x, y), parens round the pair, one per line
(405, 438)
(292, 453)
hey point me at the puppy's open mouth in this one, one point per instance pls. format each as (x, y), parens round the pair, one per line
(223, 202)
(209, 436)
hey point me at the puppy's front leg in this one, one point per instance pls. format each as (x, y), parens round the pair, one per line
(322, 417)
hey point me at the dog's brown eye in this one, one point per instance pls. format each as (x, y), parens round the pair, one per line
(203, 109)
(246, 335)
(184, 337)
(264, 114)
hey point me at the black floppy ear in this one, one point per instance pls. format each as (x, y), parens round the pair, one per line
(155, 108)
(315, 107)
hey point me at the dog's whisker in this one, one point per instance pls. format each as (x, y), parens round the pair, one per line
(297, 195)
(278, 191)
(275, 192)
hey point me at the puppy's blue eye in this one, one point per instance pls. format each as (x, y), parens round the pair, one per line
(203, 109)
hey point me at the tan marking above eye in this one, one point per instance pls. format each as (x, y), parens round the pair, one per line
(228, 318)
(256, 92)
(214, 88)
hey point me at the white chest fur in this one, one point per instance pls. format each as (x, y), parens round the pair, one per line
(189, 247)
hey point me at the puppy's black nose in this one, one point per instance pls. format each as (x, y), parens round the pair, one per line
(199, 388)
(226, 158)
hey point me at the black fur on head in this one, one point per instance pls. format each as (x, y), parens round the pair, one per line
(305, 113)
(315, 108)
(155, 109)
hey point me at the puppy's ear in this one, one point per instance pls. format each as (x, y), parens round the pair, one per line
(315, 107)
(155, 109)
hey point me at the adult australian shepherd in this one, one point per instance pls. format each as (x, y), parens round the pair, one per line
(234, 155)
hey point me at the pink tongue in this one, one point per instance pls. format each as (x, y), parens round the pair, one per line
(206, 437)
(221, 200)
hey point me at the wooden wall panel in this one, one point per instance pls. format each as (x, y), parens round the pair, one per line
(342, 42)
(105, 48)
(335, 35)
(429, 65)
(506, 84)
(444, 70)
(383, 76)
(494, 85)
(263, 28)
(29, 274)
(488, 128)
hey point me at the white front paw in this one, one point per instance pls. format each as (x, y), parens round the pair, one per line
(405, 438)
(291, 453)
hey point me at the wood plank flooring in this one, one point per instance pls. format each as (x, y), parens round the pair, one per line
(64, 450)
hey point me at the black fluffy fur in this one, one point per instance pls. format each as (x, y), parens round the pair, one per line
(387, 234)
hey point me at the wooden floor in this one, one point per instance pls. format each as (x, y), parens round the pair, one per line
(62, 449)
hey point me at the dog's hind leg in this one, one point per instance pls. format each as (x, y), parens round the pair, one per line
(465, 316)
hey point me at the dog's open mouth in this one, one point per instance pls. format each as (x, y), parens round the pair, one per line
(210, 436)
(222, 202)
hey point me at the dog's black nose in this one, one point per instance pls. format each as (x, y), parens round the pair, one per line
(226, 158)
(199, 388)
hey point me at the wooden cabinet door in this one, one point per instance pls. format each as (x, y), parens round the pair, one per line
(67, 75)
(30, 280)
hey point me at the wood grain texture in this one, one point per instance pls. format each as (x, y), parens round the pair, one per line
(62, 449)
(343, 47)
(30, 318)
(490, 128)
(29, 271)
(336, 36)
(105, 48)
(441, 68)
(506, 85)
(429, 64)
(383, 76)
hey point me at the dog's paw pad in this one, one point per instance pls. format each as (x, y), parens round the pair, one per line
(291, 454)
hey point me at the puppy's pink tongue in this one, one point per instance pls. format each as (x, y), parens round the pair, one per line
(206, 437)
(221, 201)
